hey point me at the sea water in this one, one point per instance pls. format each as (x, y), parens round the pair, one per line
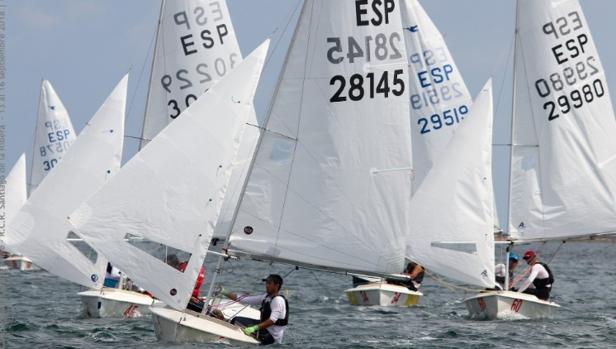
(39, 310)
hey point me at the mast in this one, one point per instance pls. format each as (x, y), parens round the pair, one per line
(147, 98)
(263, 130)
(513, 111)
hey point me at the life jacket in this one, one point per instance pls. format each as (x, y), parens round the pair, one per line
(544, 283)
(195, 293)
(266, 311)
(419, 278)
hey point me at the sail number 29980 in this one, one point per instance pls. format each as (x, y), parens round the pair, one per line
(360, 87)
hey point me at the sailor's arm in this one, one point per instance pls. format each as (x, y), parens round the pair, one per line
(250, 300)
(529, 280)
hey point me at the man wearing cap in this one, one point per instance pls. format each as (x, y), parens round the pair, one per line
(274, 312)
(540, 277)
(500, 270)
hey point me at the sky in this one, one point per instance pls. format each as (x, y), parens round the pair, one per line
(84, 47)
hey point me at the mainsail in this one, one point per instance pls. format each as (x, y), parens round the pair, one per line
(563, 168)
(452, 214)
(331, 181)
(53, 136)
(171, 192)
(439, 98)
(40, 230)
(195, 47)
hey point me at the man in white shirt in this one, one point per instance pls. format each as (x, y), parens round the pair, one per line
(540, 277)
(274, 312)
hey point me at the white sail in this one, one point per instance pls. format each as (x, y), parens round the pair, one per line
(452, 215)
(53, 136)
(439, 98)
(171, 192)
(15, 190)
(41, 228)
(195, 47)
(563, 168)
(331, 182)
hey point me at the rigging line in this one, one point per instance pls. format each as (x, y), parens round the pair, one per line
(265, 129)
(286, 27)
(556, 252)
(132, 101)
(137, 138)
(323, 287)
(450, 286)
(299, 122)
(502, 86)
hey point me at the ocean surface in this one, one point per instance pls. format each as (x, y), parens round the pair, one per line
(39, 310)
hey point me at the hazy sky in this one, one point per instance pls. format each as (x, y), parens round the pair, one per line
(85, 46)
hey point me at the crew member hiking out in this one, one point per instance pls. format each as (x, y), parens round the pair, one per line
(540, 277)
(274, 312)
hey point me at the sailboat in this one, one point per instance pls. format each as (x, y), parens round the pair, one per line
(460, 242)
(563, 173)
(195, 47)
(329, 132)
(40, 229)
(439, 103)
(147, 200)
(16, 194)
(53, 135)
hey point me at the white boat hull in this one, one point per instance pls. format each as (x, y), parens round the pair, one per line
(383, 294)
(20, 263)
(173, 326)
(508, 305)
(116, 303)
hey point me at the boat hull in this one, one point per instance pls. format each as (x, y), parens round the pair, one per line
(20, 263)
(383, 294)
(116, 303)
(172, 326)
(507, 305)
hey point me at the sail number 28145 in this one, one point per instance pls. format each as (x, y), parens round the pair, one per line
(358, 86)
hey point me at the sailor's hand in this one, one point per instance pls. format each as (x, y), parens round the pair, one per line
(250, 330)
(223, 291)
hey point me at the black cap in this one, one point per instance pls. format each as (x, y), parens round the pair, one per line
(275, 278)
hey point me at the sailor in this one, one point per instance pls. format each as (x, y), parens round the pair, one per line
(500, 270)
(274, 318)
(112, 277)
(540, 277)
(415, 272)
(196, 303)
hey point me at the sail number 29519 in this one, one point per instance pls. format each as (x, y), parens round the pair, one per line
(358, 86)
